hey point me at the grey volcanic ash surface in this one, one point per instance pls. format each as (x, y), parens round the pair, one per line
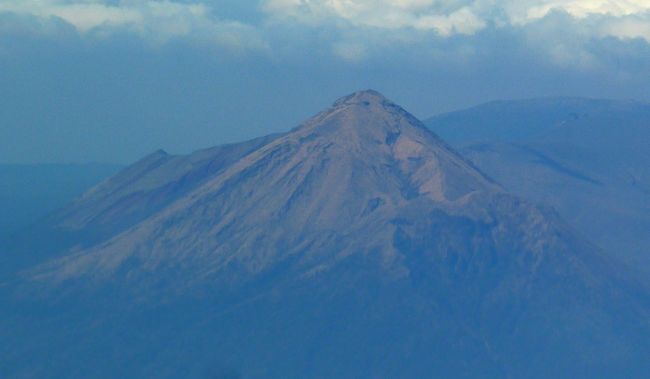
(356, 245)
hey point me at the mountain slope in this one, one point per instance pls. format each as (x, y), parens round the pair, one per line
(586, 158)
(148, 186)
(121, 201)
(356, 245)
(350, 167)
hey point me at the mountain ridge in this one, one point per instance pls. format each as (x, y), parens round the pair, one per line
(360, 125)
(587, 158)
(356, 245)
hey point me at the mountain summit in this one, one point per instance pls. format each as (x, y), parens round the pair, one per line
(356, 245)
(366, 98)
(342, 175)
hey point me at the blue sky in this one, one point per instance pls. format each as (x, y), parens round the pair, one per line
(109, 81)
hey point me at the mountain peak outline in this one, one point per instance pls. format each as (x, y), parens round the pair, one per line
(360, 232)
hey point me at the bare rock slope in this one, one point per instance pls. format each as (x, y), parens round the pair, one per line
(356, 245)
(331, 186)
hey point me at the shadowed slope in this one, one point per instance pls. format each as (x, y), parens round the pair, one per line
(587, 158)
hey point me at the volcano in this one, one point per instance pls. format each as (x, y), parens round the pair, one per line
(356, 245)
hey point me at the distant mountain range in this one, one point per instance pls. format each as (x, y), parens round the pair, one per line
(357, 245)
(589, 159)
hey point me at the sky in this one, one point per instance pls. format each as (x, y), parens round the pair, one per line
(113, 80)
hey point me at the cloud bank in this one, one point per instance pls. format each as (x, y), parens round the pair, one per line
(78, 73)
(155, 21)
(619, 18)
(565, 33)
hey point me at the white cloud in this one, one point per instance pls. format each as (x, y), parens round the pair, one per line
(627, 28)
(444, 17)
(467, 17)
(356, 29)
(462, 21)
(621, 19)
(156, 20)
(350, 51)
(585, 8)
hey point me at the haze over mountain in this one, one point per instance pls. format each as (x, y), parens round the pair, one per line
(358, 244)
(31, 192)
(587, 158)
